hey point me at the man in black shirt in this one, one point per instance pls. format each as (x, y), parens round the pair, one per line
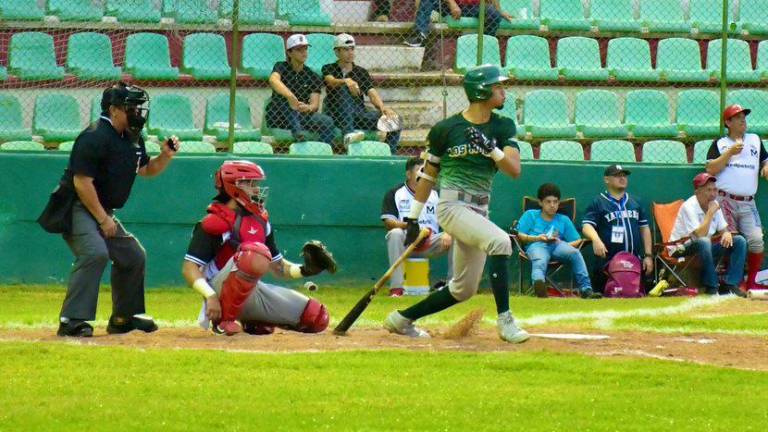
(348, 84)
(102, 167)
(296, 95)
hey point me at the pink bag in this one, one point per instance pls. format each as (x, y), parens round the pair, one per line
(624, 272)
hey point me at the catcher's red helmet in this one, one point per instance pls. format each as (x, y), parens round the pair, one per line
(240, 181)
(732, 110)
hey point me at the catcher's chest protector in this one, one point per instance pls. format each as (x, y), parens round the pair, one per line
(249, 228)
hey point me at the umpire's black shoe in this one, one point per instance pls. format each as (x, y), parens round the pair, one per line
(119, 325)
(75, 328)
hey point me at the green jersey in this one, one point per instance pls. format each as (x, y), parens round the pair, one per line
(461, 166)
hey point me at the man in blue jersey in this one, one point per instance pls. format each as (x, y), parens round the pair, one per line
(616, 222)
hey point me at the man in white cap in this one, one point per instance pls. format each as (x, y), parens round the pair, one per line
(296, 95)
(348, 84)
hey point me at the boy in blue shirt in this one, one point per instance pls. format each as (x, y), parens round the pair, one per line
(547, 235)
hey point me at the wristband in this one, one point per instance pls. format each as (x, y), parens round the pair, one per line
(201, 286)
(294, 271)
(496, 154)
(416, 208)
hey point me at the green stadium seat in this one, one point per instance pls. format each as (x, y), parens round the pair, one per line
(545, 114)
(679, 60)
(369, 148)
(739, 61)
(135, 11)
(510, 107)
(707, 15)
(614, 15)
(148, 57)
(700, 150)
(522, 11)
(11, 120)
(260, 53)
(205, 57)
(196, 147)
(193, 12)
(527, 58)
(95, 108)
(753, 16)
(612, 151)
(762, 59)
(310, 148)
(251, 12)
(168, 8)
(279, 136)
(579, 59)
(664, 152)
(647, 114)
(629, 59)
(597, 114)
(89, 57)
(564, 15)
(3, 73)
(76, 10)
(56, 117)
(561, 151)
(152, 147)
(321, 52)
(303, 12)
(22, 146)
(21, 10)
(526, 151)
(664, 16)
(65, 146)
(252, 148)
(466, 52)
(461, 23)
(31, 57)
(757, 101)
(698, 112)
(217, 119)
(171, 114)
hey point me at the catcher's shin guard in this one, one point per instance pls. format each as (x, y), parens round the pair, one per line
(251, 262)
(314, 319)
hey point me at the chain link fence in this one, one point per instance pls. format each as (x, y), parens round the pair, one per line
(600, 80)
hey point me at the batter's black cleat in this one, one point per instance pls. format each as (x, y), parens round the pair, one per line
(258, 328)
(75, 328)
(120, 325)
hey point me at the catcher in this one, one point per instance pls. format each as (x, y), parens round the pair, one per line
(233, 246)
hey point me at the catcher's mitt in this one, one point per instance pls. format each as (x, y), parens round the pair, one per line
(316, 258)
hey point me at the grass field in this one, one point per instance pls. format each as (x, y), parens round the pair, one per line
(669, 364)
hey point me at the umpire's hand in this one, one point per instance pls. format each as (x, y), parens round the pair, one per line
(108, 227)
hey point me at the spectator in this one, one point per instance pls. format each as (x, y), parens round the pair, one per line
(551, 235)
(296, 95)
(457, 9)
(699, 219)
(395, 207)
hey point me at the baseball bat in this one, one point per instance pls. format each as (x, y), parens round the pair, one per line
(363, 303)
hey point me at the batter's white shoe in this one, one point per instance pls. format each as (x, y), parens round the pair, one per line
(396, 323)
(509, 331)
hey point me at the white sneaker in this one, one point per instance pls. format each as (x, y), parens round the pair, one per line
(509, 331)
(396, 323)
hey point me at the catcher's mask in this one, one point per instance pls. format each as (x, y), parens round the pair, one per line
(128, 98)
(241, 180)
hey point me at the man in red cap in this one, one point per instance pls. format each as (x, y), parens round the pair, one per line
(699, 219)
(738, 160)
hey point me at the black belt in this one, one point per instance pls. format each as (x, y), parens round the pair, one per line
(468, 197)
(736, 197)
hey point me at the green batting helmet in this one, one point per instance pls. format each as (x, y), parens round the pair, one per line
(479, 80)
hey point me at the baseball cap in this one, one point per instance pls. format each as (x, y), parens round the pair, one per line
(344, 40)
(732, 110)
(701, 179)
(612, 170)
(295, 40)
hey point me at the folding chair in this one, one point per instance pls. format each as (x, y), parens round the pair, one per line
(663, 221)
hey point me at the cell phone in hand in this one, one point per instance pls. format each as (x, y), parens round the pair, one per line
(171, 145)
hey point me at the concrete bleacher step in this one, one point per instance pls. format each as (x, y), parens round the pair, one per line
(389, 58)
(417, 114)
(414, 138)
(349, 11)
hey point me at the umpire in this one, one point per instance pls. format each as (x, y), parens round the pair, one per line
(102, 168)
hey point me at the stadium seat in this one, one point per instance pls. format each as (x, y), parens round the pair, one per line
(757, 101)
(321, 52)
(522, 11)
(466, 52)
(205, 57)
(510, 108)
(138, 11)
(152, 147)
(612, 151)
(252, 148)
(545, 114)
(564, 15)
(260, 53)
(251, 12)
(31, 57)
(310, 148)
(303, 12)
(217, 119)
(700, 150)
(579, 59)
(65, 146)
(739, 61)
(561, 151)
(22, 146)
(526, 151)
(171, 114)
(629, 59)
(147, 57)
(762, 59)
(56, 117)
(647, 114)
(598, 114)
(193, 12)
(753, 16)
(665, 152)
(3, 73)
(527, 58)
(279, 136)
(89, 57)
(76, 10)
(663, 16)
(95, 108)
(11, 120)
(614, 15)
(679, 60)
(196, 147)
(707, 15)
(21, 10)
(369, 148)
(698, 112)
